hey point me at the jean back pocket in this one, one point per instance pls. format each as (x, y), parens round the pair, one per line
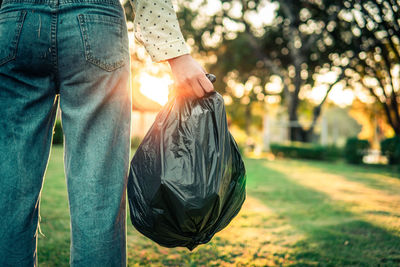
(102, 40)
(10, 30)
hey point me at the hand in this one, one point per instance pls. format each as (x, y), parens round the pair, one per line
(189, 76)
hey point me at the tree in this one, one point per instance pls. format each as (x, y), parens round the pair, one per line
(309, 30)
(298, 43)
(375, 52)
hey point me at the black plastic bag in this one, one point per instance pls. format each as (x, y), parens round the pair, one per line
(187, 178)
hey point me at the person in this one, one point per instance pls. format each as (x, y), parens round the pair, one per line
(76, 52)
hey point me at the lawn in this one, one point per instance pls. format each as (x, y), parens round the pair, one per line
(297, 213)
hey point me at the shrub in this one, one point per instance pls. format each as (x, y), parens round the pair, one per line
(355, 150)
(390, 147)
(333, 152)
(58, 133)
(306, 151)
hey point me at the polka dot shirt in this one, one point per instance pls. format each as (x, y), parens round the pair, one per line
(157, 28)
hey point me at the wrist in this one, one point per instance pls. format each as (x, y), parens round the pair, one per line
(177, 59)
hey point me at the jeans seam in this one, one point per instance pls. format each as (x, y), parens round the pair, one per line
(53, 36)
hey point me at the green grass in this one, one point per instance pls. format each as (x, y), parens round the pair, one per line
(297, 213)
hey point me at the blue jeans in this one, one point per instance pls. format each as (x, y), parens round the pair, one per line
(75, 52)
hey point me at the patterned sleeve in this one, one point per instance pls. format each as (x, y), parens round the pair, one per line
(157, 28)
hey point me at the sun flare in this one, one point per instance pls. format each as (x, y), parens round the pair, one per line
(155, 88)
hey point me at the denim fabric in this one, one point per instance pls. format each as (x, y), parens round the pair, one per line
(75, 52)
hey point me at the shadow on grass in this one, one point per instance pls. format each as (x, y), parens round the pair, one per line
(333, 236)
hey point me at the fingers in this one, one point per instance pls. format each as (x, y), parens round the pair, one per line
(196, 87)
(190, 77)
(206, 84)
(203, 69)
(200, 85)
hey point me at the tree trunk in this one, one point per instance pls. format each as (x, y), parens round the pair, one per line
(293, 103)
(296, 131)
(248, 118)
